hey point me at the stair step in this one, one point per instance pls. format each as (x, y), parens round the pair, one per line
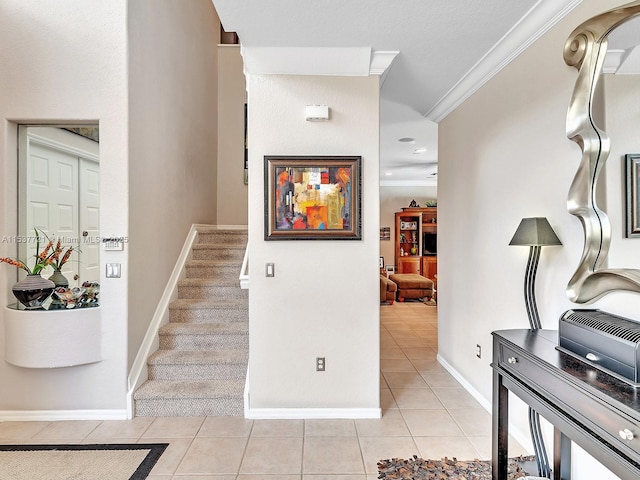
(198, 365)
(219, 289)
(203, 311)
(205, 251)
(201, 336)
(226, 237)
(173, 398)
(213, 269)
(201, 367)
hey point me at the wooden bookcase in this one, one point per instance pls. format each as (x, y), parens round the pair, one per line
(409, 254)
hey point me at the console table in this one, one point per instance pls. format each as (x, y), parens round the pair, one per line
(597, 411)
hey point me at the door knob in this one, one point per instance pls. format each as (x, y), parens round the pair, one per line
(76, 276)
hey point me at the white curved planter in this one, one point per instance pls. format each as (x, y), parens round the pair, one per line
(52, 339)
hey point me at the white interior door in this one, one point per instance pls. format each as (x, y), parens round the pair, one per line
(52, 198)
(59, 195)
(89, 204)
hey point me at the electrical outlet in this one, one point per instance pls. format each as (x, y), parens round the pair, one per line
(320, 364)
(478, 351)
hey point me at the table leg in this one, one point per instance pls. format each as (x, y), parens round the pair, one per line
(500, 429)
(561, 456)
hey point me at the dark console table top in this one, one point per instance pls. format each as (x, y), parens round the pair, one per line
(588, 406)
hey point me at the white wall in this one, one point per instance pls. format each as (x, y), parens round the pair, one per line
(392, 200)
(172, 142)
(232, 192)
(323, 301)
(65, 61)
(517, 162)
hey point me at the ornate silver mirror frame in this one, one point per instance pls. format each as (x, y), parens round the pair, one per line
(585, 50)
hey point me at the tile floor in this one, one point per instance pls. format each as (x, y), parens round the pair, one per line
(425, 412)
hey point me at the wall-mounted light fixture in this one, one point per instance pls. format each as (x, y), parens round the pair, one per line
(316, 113)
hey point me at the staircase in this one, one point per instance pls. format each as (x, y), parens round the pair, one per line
(201, 365)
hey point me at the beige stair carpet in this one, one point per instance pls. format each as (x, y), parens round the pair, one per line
(201, 366)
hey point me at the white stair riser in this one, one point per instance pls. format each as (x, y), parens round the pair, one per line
(202, 407)
(198, 372)
(203, 342)
(214, 292)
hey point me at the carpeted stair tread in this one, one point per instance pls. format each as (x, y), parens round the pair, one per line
(207, 304)
(214, 328)
(198, 357)
(228, 231)
(218, 246)
(209, 282)
(212, 263)
(175, 389)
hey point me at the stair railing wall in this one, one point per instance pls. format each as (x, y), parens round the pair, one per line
(138, 374)
(244, 271)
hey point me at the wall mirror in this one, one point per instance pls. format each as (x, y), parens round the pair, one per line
(59, 194)
(587, 49)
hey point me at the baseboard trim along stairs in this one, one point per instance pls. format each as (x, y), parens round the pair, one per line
(200, 366)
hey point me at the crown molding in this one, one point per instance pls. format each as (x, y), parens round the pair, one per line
(339, 61)
(380, 63)
(540, 18)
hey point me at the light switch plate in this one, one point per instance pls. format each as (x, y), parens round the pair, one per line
(113, 270)
(269, 270)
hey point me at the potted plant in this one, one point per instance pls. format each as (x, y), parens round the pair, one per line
(59, 258)
(34, 290)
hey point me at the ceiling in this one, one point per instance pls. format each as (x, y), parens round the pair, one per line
(431, 54)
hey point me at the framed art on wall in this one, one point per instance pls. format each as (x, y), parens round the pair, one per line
(632, 161)
(312, 197)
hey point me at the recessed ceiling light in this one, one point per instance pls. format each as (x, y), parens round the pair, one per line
(419, 150)
(388, 174)
(407, 140)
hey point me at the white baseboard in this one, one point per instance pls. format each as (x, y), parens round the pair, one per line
(486, 404)
(56, 415)
(521, 437)
(312, 413)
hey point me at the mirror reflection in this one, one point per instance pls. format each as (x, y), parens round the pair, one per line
(621, 112)
(59, 196)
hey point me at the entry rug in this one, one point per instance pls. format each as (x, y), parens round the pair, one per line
(447, 469)
(79, 462)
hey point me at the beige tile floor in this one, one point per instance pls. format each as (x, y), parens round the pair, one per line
(425, 412)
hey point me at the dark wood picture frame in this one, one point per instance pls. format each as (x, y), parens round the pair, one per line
(312, 197)
(632, 177)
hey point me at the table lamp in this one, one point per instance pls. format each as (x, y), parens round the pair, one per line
(535, 233)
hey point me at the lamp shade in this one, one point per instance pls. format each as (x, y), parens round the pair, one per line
(535, 231)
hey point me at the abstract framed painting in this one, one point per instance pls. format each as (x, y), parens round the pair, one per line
(312, 197)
